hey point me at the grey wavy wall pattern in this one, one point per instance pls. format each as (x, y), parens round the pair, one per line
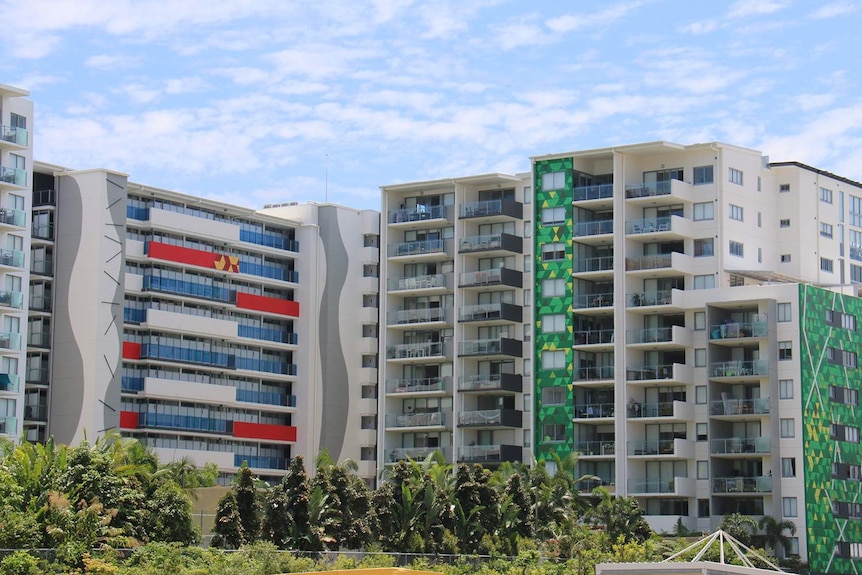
(334, 385)
(116, 194)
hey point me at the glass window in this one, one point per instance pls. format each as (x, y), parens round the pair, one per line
(704, 281)
(783, 223)
(528, 194)
(784, 311)
(554, 396)
(703, 247)
(736, 213)
(785, 259)
(825, 230)
(703, 175)
(736, 248)
(787, 427)
(553, 359)
(785, 389)
(701, 431)
(555, 323)
(554, 181)
(788, 506)
(703, 508)
(553, 288)
(826, 195)
(700, 357)
(554, 432)
(788, 467)
(784, 188)
(700, 394)
(703, 469)
(704, 211)
(785, 350)
(699, 320)
(553, 252)
(826, 265)
(553, 216)
(734, 176)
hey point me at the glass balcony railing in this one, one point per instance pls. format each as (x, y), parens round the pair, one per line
(43, 266)
(651, 447)
(737, 445)
(266, 397)
(40, 302)
(490, 311)
(267, 334)
(42, 232)
(14, 135)
(732, 406)
(416, 248)
(187, 355)
(38, 375)
(270, 272)
(593, 410)
(421, 385)
(134, 315)
(260, 461)
(649, 225)
(739, 368)
(657, 409)
(648, 189)
(650, 335)
(12, 258)
(491, 381)
(427, 419)
(588, 300)
(494, 346)
(487, 417)
(595, 447)
(596, 264)
(647, 372)
(417, 214)
(137, 213)
(10, 382)
(193, 289)
(487, 242)
(593, 228)
(598, 192)
(266, 365)
(593, 337)
(417, 282)
(652, 262)
(416, 453)
(38, 412)
(659, 297)
(14, 176)
(10, 341)
(742, 484)
(411, 350)
(39, 339)
(487, 208)
(184, 422)
(13, 299)
(269, 240)
(652, 485)
(594, 373)
(495, 276)
(734, 330)
(12, 217)
(8, 425)
(420, 315)
(44, 198)
(132, 383)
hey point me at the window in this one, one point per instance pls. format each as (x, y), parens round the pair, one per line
(788, 467)
(368, 422)
(760, 255)
(785, 350)
(826, 195)
(553, 252)
(826, 265)
(758, 183)
(784, 188)
(734, 176)
(368, 453)
(554, 396)
(700, 394)
(528, 402)
(528, 194)
(554, 323)
(843, 395)
(699, 320)
(735, 212)
(553, 288)
(700, 357)
(841, 357)
(702, 175)
(792, 546)
(528, 367)
(704, 282)
(528, 332)
(701, 431)
(554, 432)
(840, 319)
(825, 230)
(553, 216)
(787, 427)
(703, 508)
(783, 223)
(554, 181)
(369, 392)
(554, 359)
(785, 389)
(784, 311)
(736, 248)
(703, 247)
(528, 229)
(785, 258)
(528, 298)
(844, 433)
(704, 211)
(703, 469)
(788, 506)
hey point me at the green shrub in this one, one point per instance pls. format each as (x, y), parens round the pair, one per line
(19, 563)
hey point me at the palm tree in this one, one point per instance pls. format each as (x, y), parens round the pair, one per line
(773, 532)
(739, 526)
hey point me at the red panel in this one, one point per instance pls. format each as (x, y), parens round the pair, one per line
(131, 350)
(128, 419)
(193, 257)
(264, 431)
(270, 304)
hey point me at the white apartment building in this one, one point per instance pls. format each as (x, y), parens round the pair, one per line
(454, 307)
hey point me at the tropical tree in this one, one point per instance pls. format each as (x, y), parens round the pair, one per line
(247, 503)
(622, 517)
(774, 533)
(739, 526)
(229, 531)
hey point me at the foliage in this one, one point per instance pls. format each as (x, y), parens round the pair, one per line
(738, 526)
(774, 532)
(19, 563)
(621, 517)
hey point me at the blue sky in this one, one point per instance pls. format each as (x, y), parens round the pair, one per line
(255, 101)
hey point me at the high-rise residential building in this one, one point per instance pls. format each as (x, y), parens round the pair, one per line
(207, 331)
(454, 307)
(696, 338)
(16, 157)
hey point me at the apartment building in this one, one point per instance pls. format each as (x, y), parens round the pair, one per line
(190, 324)
(455, 302)
(16, 120)
(695, 336)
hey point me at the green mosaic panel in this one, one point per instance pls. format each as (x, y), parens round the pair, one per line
(818, 412)
(553, 414)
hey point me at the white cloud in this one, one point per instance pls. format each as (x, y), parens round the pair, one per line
(835, 9)
(575, 22)
(745, 8)
(701, 27)
(109, 61)
(808, 102)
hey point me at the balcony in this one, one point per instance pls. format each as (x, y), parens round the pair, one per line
(588, 485)
(677, 486)
(417, 453)
(10, 341)
(659, 265)
(260, 461)
(8, 425)
(504, 347)
(491, 418)
(739, 369)
(9, 382)
(424, 386)
(13, 176)
(602, 373)
(502, 277)
(659, 337)
(187, 355)
(593, 300)
(660, 229)
(428, 249)
(492, 210)
(411, 317)
(187, 288)
(418, 214)
(491, 382)
(491, 244)
(734, 331)
(661, 373)
(593, 410)
(12, 299)
(11, 258)
(733, 407)
(43, 232)
(649, 298)
(38, 375)
(43, 198)
(676, 447)
(592, 193)
(184, 422)
(672, 191)
(38, 412)
(489, 454)
(594, 265)
(737, 485)
(738, 446)
(429, 419)
(13, 218)
(265, 365)
(594, 337)
(42, 267)
(267, 334)
(40, 302)
(425, 350)
(665, 410)
(14, 135)
(265, 397)
(426, 282)
(268, 240)
(595, 448)
(592, 228)
(491, 313)
(41, 339)
(132, 384)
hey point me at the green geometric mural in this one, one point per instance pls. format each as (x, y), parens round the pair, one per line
(825, 530)
(558, 269)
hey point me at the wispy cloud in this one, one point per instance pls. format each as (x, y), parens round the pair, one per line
(112, 61)
(834, 9)
(745, 8)
(575, 22)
